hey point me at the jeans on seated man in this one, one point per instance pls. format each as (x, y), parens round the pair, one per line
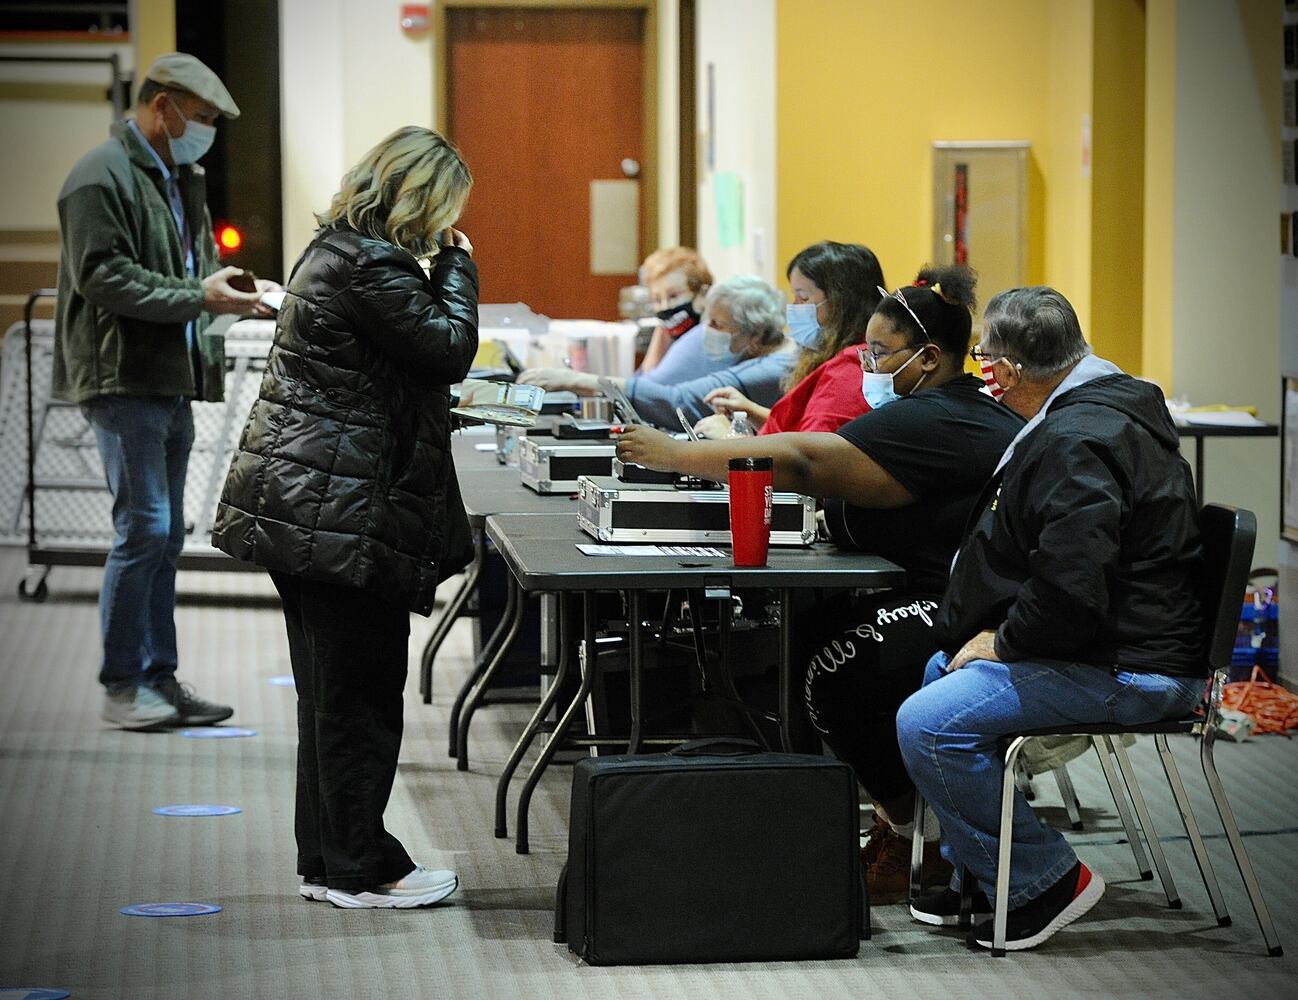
(1073, 599)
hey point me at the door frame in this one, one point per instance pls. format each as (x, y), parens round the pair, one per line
(648, 98)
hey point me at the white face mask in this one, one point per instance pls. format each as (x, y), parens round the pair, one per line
(193, 143)
(804, 327)
(716, 345)
(877, 387)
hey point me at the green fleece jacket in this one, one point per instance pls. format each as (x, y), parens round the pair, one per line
(123, 296)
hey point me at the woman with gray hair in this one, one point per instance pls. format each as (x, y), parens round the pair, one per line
(743, 324)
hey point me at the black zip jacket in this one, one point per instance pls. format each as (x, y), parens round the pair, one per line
(1085, 547)
(344, 471)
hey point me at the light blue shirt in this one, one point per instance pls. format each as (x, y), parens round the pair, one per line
(685, 360)
(757, 378)
(177, 213)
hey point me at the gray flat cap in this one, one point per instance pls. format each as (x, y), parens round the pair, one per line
(184, 72)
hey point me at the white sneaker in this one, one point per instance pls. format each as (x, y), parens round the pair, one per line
(422, 887)
(138, 709)
(313, 890)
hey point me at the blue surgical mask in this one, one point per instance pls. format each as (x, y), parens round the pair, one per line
(716, 345)
(804, 328)
(877, 387)
(193, 143)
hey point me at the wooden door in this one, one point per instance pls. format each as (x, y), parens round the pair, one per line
(542, 102)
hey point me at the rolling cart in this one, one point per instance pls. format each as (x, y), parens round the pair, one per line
(53, 495)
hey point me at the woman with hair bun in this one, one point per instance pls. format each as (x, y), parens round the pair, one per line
(344, 489)
(899, 482)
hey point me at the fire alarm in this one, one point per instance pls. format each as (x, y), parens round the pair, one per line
(415, 18)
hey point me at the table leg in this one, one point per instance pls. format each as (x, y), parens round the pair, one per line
(636, 668)
(534, 724)
(479, 665)
(449, 617)
(587, 660)
(1198, 470)
(518, 606)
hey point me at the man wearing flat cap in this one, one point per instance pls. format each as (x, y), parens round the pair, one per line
(138, 284)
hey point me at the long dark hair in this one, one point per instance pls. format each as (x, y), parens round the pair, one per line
(849, 274)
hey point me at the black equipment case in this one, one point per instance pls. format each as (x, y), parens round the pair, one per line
(715, 852)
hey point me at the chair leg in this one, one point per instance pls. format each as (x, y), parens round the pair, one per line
(1146, 821)
(1001, 905)
(1124, 810)
(1024, 781)
(1237, 843)
(1069, 795)
(1192, 830)
(917, 848)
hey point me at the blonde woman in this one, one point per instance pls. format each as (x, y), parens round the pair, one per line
(343, 488)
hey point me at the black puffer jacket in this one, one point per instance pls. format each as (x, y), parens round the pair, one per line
(344, 472)
(1086, 546)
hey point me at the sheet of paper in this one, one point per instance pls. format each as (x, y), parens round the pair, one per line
(728, 190)
(693, 551)
(1220, 418)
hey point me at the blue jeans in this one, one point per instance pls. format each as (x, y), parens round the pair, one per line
(950, 732)
(144, 442)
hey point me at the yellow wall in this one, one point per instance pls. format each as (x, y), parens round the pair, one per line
(153, 32)
(1160, 158)
(863, 89)
(1118, 182)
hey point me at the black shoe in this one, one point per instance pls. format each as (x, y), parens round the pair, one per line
(193, 710)
(942, 909)
(1036, 921)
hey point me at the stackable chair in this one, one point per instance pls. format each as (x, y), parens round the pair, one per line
(1228, 538)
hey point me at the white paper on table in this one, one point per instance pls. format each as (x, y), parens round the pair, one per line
(1220, 418)
(694, 551)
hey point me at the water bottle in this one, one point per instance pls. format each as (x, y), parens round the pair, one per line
(739, 425)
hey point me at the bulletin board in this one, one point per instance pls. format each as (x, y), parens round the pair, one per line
(1289, 459)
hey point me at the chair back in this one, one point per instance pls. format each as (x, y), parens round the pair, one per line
(1229, 534)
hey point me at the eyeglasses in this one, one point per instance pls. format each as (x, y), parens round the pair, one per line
(981, 357)
(870, 359)
(904, 304)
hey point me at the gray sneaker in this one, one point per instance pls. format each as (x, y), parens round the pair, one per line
(422, 887)
(192, 709)
(137, 709)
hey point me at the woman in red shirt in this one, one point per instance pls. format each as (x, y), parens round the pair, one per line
(835, 292)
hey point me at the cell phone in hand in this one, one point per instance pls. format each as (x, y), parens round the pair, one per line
(244, 281)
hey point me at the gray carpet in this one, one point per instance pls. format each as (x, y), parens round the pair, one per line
(78, 841)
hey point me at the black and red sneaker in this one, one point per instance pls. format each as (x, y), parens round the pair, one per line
(1036, 921)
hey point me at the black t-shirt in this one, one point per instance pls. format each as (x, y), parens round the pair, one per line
(942, 444)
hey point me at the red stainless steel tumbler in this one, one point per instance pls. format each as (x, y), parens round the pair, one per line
(750, 509)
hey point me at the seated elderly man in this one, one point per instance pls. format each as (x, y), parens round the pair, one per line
(743, 329)
(1073, 599)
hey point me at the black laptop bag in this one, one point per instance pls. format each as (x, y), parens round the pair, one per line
(715, 852)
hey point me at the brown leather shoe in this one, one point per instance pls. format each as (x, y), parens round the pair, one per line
(888, 879)
(876, 835)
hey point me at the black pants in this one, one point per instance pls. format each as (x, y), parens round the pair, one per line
(866, 658)
(349, 653)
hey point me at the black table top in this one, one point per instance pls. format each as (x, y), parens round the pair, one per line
(1215, 430)
(540, 550)
(501, 491)
(465, 451)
